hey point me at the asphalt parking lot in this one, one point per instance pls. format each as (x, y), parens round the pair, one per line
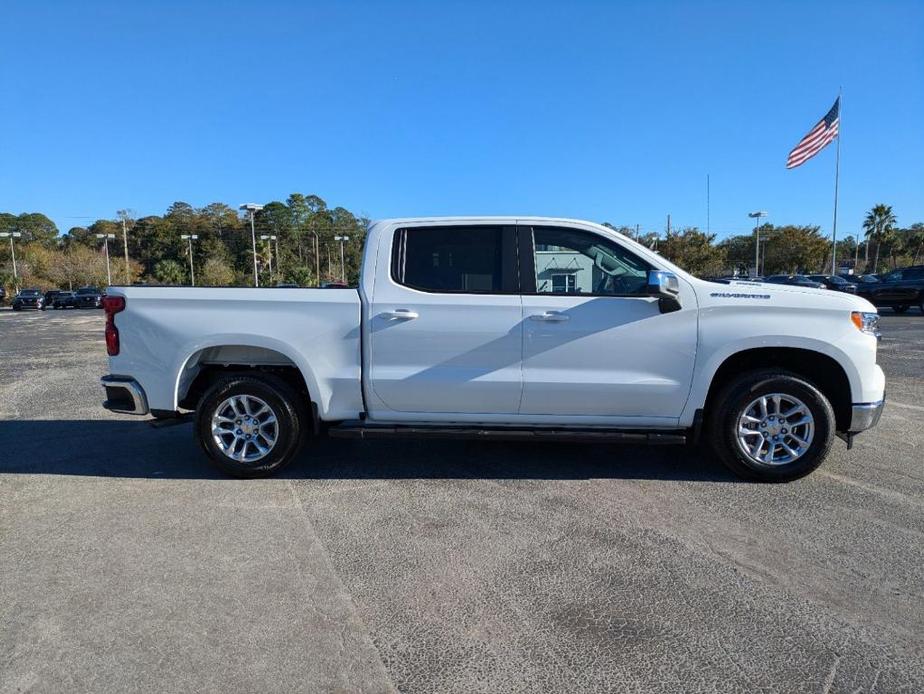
(127, 564)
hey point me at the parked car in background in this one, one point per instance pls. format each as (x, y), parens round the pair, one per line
(50, 296)
(898, 290)
(28, 298)
(2, 295)
(835, 282)
(502, 328)
(794, 280)
(725, 279)
(862, 279)
(88, 297)
(64, 300)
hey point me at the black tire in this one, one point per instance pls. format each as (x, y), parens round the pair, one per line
(290, 410)
(900, 309)
(17, 308)
(729, 405)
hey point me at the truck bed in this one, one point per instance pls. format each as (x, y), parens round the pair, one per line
(168, 333)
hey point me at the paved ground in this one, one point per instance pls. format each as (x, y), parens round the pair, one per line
(126, 564)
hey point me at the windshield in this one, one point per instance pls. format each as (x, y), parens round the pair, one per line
(29, 292)
(87, 290)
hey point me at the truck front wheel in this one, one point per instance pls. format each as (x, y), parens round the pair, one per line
(250, 426)
(771, 426)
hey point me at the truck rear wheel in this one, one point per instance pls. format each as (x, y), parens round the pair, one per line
(250, 425)
(771, 426)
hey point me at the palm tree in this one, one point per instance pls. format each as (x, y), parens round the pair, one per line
(880, 227)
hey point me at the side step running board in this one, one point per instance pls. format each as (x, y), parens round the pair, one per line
(362, 430)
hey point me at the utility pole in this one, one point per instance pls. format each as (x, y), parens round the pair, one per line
(189, 238)
(278, 257)
(317, 258)
(123, 215)
(271, 238)
(708, 226)
(253, 208)
(105, 238)
(342, 239)
(13, 235)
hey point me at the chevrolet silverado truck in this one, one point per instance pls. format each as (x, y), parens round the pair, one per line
(502, 328)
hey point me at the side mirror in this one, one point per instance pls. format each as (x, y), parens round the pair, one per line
(666, 287)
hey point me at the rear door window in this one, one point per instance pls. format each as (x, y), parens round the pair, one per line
(456, 259)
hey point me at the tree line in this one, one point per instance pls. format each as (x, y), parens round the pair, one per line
(306, 250)
(790, 248)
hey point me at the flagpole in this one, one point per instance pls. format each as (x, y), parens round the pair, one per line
(837, 172)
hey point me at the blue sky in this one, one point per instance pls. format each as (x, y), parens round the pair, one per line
(598, 110)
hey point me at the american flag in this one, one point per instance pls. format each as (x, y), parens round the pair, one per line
(818, 137)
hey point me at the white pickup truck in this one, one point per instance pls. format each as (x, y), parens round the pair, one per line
(503, 327)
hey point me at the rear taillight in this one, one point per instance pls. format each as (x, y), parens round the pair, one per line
(112, 305)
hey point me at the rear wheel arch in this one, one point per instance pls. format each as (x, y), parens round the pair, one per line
(819, 369)
(205, 366)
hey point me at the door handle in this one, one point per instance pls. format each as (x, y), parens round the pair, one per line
(401, 313)
(550, 317)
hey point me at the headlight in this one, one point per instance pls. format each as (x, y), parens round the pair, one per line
(866, 322)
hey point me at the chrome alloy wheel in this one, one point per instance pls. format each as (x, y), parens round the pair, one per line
(244, 428)
(775, 429)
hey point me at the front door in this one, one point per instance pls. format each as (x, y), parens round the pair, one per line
(446, 324)
(596, 346)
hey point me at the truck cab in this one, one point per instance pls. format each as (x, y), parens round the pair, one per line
(503, 327)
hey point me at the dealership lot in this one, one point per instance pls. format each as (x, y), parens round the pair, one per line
(127, 563)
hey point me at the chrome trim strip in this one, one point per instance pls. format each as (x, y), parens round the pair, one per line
(139, 399)
(866, 415)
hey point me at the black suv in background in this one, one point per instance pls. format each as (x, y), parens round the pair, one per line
(835, 282)
(50, 297)
(88, 297)
(795, 280)
(898, 290)
(64, 300)
(28, 298)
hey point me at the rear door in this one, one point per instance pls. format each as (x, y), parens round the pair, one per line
(445, 323)
(596, 346)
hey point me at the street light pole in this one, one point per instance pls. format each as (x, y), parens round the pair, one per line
(253, 208)
(342, 239)
(105, 238)
(13, 235)
(756, 217)
(189, 238)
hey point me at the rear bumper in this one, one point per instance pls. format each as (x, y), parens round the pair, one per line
(866, 415)
(124, 395)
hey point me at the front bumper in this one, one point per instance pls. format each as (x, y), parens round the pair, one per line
(865, 415)
(124, 395)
